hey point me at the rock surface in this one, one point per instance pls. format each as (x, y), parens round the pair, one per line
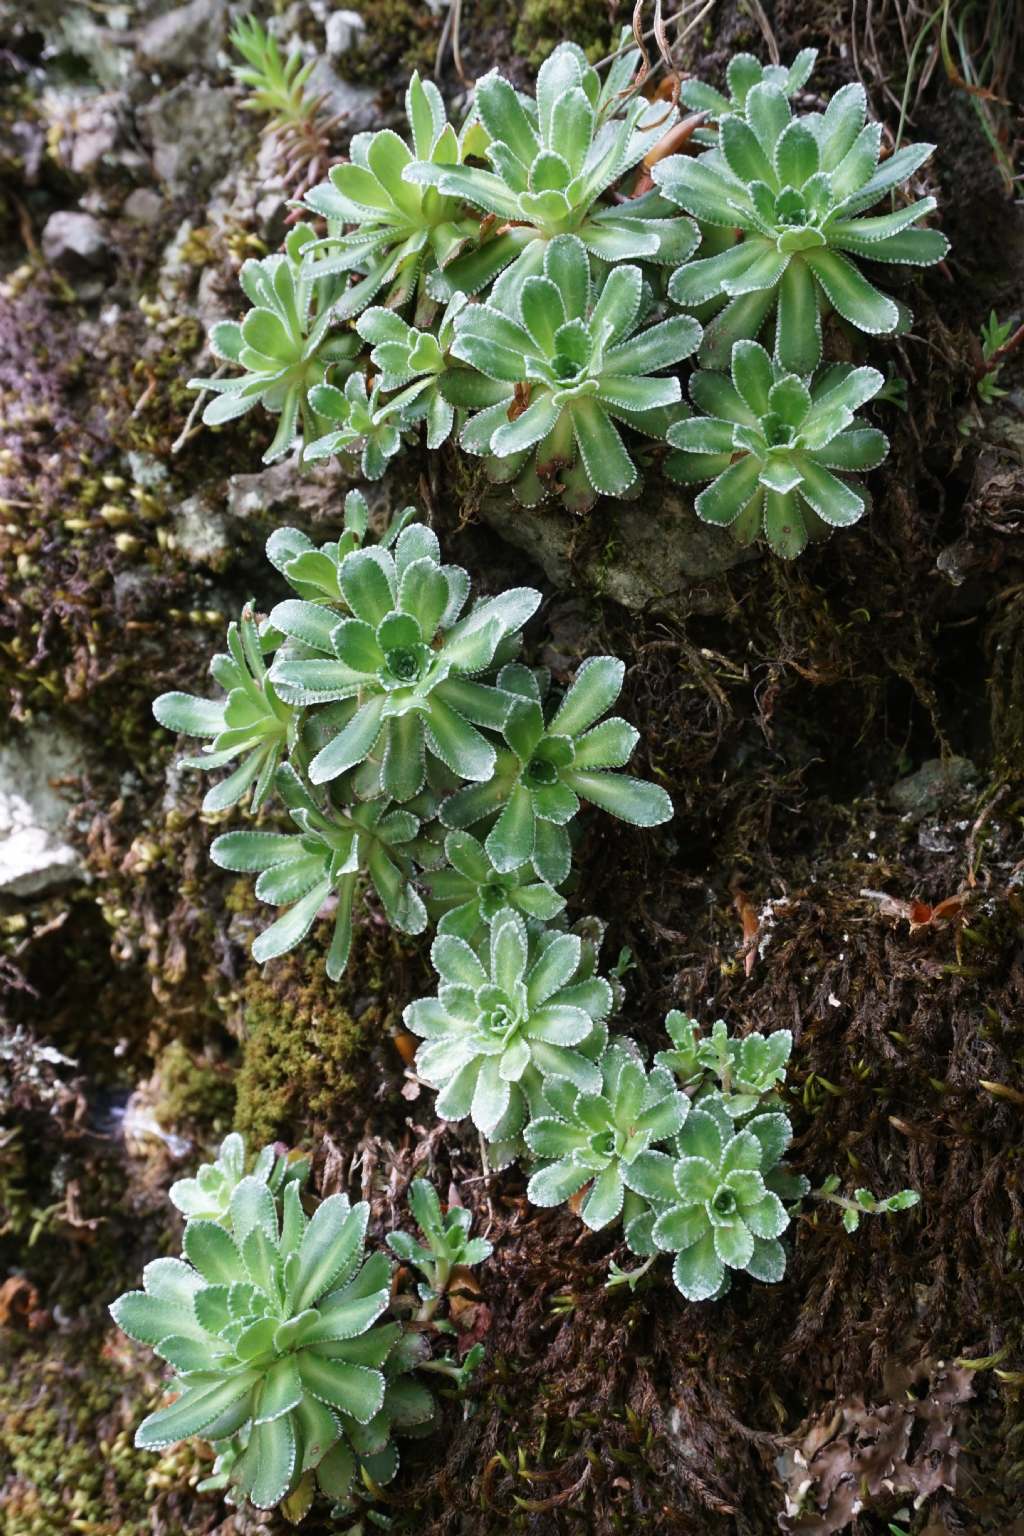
(652, 553)
(194, 130)
(189, 36)
(936, 780)
(74, 241)
(34, 856)
(342, 30)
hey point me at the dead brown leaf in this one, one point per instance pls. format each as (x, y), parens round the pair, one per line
(874, 1456)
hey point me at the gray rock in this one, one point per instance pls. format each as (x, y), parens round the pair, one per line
(283, 491)
(34, 856)
(147, 471)
(94, 129)
(186, 38)
(937, 781)
(652, 553)
(195, 134)
(200, 533)
(341, 31)
(74, 241)
(143, 206)
(358, 102)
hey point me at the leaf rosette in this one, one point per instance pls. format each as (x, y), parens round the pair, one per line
(778, 449)
(251, 722)
(604, 1139)
(550, 764)
(312, 572)
(523, 1006)
(271, 1326)
(797, 188)
(208, 1193)
(469, 894)
(383, 228)
(285, 346)
(717, 1210)
(407, 664)
(332, 854)
(573, 359)
(552, 160)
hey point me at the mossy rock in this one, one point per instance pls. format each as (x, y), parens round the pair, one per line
(308, 1053)
(543, 24)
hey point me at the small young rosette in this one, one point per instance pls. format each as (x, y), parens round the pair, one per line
(285, 346)
(604, 1139)
(208, 1193)
(470, 893)
(312, 572)
(269, 1325)
(778, 449)
(251, 722)
(331, 854)
(717, 1208)
(553, 763)
(522, 1007)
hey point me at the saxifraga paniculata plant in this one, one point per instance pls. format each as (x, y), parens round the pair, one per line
(797, 188)
(391, 715)
(387, 693)
(274, 1323)
(519, 271)
(778, 449)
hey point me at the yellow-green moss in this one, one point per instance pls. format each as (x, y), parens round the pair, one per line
(305, 1056)
(543, 24)
(67, 1463)
(193, 1089)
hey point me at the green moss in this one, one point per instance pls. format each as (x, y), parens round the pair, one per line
(305, 1053)
(194, 1089)
(543, 24)
(398, 37)
(66, 1458)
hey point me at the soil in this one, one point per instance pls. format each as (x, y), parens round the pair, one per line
(843, 739)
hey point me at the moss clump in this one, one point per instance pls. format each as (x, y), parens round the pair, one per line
(398, 36)
(307, 1047)
(194, 1090)
(66, 1457)
(543, 24)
